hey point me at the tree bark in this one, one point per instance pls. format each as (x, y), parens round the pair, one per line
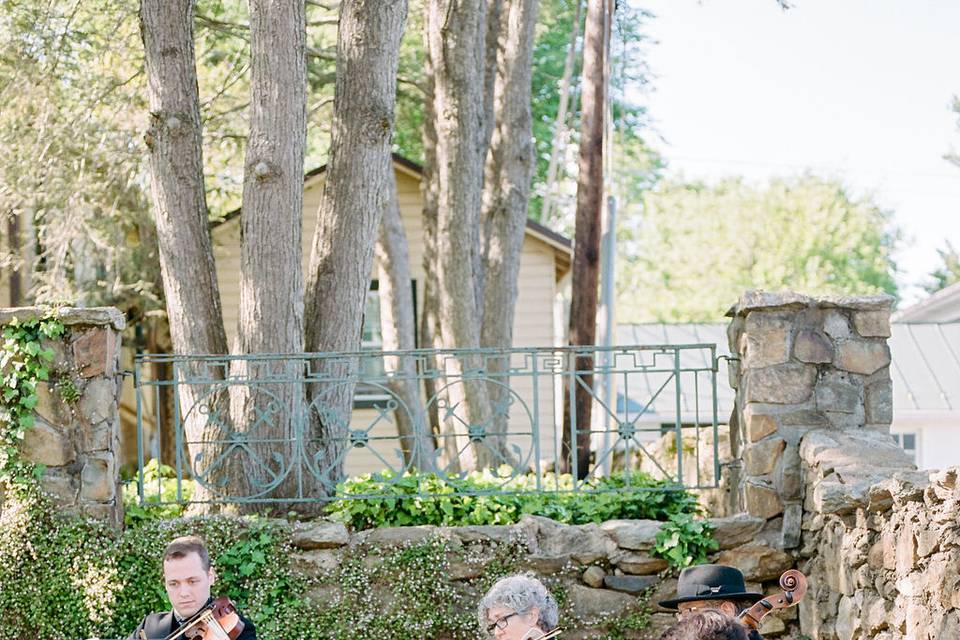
(586, 256)
(397, 323)
(271, 272)
(509, 170)
(561, 132)
(356, 192)
(175, 164)
(430, 305)
(456, 41)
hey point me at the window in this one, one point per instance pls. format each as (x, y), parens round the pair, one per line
(907, 442)
(371, 339)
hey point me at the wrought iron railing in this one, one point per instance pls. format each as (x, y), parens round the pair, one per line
(286, 428)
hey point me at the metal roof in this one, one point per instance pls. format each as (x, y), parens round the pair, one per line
(925, 372)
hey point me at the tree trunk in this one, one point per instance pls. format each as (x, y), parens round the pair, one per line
(456, 38)
(586, 256)
(356, 192)
(397, 322)
(271, 272)
(175, 164)
(561, 132)
(509, 170)
(430, 305)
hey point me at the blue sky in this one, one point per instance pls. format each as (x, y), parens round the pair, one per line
(854, 89)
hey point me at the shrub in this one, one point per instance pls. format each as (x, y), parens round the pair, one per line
(399, 501)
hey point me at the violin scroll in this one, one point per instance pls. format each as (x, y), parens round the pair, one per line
(794, 585)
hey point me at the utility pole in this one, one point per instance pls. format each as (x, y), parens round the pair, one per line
(575, 448)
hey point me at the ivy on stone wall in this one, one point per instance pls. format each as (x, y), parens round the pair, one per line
(24, 363)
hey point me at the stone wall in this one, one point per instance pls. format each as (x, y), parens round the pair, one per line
(77, 439)
(878, 540)
(606, 570)
(803, 364)
(881, 542)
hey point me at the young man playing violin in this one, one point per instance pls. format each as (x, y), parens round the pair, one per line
(187, 576)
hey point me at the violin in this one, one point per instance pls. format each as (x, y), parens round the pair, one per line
(219, 620)
(794, 585)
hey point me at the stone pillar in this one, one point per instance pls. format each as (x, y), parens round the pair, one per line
(804, 364)
(77, 430)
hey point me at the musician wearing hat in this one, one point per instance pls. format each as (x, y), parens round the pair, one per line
(188, 576)
(712, 586)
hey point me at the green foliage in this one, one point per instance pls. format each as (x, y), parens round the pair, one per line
(684, 540)
(68, 389)
(25, 362)
(62, 577)
(948, 272)
(159, 495)
(502, 502)
(694, 249)
(635, 165)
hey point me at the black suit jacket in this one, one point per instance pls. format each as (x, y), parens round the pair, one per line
(157, 626)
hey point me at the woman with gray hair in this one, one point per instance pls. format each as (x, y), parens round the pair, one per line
(518, 607)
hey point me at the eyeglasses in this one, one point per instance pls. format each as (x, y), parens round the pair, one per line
(500, 623)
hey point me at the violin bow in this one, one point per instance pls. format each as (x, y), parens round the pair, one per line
(794, 585)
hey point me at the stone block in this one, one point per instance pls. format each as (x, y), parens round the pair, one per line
(586, 543)
(47, 445)
(98, 480)
(60, 485)
(389, 537)
(95, 353)
(836, 325)
(736, 530)
(789, 383)
(102, 436)
(639, 564)
(767, 339)
(759, 300)
(51, 406)
(593, 577)
(634, 585)
(838, 391)
(812, 346)
(757, 562)
(772, 626)
(762, 500)
(848, 619)
(907, 556)
(665, 590)
(878, 402)
(314, 563)
(320, 535)
(99, 401)
(588, 604)
(791, 530)
(789, 475)
(758, 425)
(636, 535)
(760, 458)
(503, 534)
(872, 324)
(863, 357)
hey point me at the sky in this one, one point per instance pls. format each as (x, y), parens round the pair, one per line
(854, 89)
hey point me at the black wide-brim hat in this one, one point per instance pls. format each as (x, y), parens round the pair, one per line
(710, 582)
